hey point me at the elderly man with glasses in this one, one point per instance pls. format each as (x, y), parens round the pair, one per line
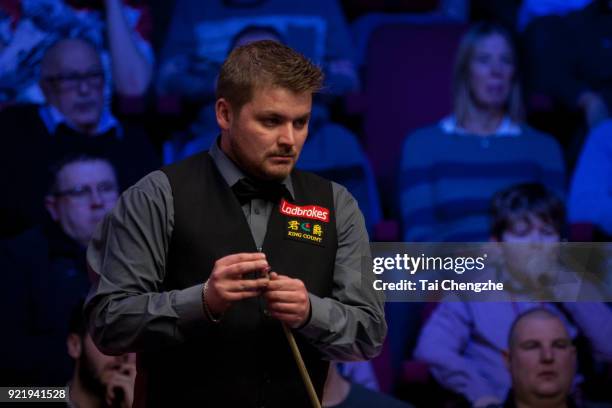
(75, 119)
(44, 273)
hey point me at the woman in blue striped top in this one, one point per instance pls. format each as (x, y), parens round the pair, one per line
(450, 170)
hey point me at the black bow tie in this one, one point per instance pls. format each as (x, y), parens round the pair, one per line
(247, 189)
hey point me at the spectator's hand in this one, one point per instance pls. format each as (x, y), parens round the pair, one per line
(119, 381)
(227, 284)
(288, 300)
(594, 108)
(487, 401)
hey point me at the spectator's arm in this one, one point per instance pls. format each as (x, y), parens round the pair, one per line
(339, 61)
(132, 72)
(590, 198)
(594, 320)
(441, 345)
(181, 71)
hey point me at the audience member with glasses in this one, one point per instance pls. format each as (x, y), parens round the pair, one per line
(44, 272)
(75, 119)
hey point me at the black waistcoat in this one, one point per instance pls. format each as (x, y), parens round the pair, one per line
(245, 360)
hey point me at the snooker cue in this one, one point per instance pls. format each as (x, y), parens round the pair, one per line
(314, 400)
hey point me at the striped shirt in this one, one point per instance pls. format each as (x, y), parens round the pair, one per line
(448, 177)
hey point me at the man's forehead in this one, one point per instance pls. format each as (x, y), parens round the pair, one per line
(74, 56)
(282, 112)
(273, 92)
(540, 328)
(78, 65)
(278, 100)
(82, 172)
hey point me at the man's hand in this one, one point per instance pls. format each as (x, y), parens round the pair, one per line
(227, 285)
(288, 300)
(118, 380)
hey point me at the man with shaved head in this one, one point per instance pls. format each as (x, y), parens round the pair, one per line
(75, 120)
(542, 361)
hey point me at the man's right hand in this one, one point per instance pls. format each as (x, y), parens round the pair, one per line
(227, 285)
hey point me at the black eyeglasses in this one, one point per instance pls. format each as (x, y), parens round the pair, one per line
(106, 190)
(71, 81)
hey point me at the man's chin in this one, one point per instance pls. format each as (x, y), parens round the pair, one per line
(276, 173)
(548, 389)
(86, 121)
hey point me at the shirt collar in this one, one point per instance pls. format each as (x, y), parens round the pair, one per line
(52, 118)
(230, 171)
(507, 127)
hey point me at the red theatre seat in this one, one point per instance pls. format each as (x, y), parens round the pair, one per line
(407, 82)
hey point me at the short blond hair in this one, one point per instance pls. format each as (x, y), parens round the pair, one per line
(265, 63)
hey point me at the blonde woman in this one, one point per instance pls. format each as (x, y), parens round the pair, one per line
(450, 170)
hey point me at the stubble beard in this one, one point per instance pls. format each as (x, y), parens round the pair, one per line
(89, 378)
(258, 170)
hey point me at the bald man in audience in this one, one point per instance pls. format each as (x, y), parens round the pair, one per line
(542, 361)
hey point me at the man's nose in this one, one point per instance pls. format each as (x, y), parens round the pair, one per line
(546, 355)
(287, 135)
(96, 198)
(83, 87)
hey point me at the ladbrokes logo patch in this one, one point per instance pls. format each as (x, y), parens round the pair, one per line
(302, 230)
(312, 212)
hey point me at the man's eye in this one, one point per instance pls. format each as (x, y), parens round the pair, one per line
(529, 345)
(270, 122)
(77, 192)
(106, 187)
(299, 124)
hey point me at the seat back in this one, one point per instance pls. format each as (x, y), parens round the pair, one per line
(407, 85)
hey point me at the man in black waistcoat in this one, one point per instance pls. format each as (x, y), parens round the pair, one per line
(201, 263)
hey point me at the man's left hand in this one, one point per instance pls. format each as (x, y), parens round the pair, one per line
(288, 300)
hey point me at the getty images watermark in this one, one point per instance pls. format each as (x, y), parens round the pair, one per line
(413, 264)
(417, 272)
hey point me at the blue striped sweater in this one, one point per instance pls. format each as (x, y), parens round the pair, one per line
(447, 179)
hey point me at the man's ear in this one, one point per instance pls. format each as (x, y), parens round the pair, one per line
(223, 111)
(51, 206)
(75, 346)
